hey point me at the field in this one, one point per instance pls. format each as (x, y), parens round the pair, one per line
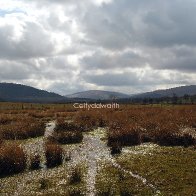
(55, 149)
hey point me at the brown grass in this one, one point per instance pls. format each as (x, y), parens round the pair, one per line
(89, 120)
(162, 124)
(22, 129)
(152, 124)
(12, 159)
(67, 133)
(54, 155)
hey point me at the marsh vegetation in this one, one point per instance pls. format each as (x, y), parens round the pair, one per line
(134, 150)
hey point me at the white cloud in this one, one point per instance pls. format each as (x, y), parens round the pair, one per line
(68, 46)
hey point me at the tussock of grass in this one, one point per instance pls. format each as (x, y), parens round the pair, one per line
(35, 162)
(89, 120)
(67, 133)
(116, 148)
(54, 155)
(68, 137)
(44, 184)
(123, 134)
(62, 126)
(175, 140)
(12, 159)
(76, 175)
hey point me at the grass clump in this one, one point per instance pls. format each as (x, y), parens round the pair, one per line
(169, 135)
(12, 159)
(44, 184)
(35, 162)
(76, 184)
(123, 134)
(62, 125)
(76, 175)
(54, 155)
(67, 133)
(68, 137)
(115, 149)
(89, 120)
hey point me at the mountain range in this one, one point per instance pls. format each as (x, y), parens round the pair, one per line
(21, 93)
(178, 91)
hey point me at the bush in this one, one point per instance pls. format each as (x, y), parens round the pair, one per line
(12, 160)
(54, 155)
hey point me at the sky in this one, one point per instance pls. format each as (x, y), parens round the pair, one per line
(68, 46)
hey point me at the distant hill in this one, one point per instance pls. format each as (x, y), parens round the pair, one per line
(98, 95)
(23, 93)
(178, 91)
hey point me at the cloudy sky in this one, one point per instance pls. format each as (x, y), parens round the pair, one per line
(68, 46)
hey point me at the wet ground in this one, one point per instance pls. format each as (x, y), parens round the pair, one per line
(91, 151)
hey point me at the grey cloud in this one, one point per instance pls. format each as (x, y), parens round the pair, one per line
(123, 36)
(10, 70)
(187, 64)
(126, 23)
(175, 58)
(100, 60)
(112, 79)
(60, 87)
(52, 68)
(132, 79)
(34, 42)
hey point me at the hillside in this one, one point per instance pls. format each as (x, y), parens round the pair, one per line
(23, 93)
(98, 95)
(178, 91)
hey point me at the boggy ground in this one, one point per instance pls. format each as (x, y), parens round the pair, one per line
(147, 169)
(88, 168)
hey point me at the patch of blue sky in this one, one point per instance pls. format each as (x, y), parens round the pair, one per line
(5, 12)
